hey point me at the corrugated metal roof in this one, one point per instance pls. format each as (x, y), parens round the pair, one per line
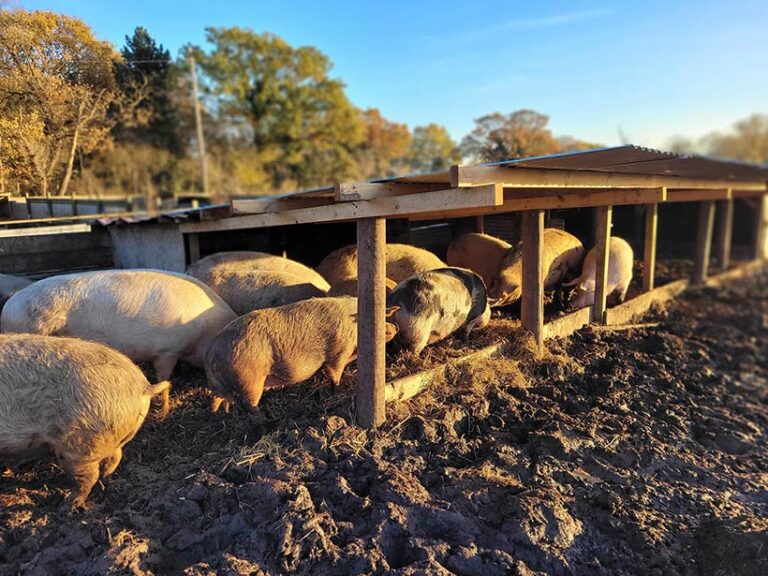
(628, 159)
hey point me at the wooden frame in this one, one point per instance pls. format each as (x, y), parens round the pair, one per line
(602, 247)
(532, 311)
(703, 245)
(724, 238)
(649, 246)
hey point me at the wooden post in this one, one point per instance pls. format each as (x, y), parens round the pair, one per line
(603, 232)
(371, 304)
(724, 216)
(532, 312)
(703, 241)
(649, 246)
(761, 228)
(480, 224)
(193, 244)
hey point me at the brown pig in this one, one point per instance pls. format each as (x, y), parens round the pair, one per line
(403, 261)
(433, 305)
(281, 346)
(348, 287)
(148, 315)
(80, 399)
(480, 253)
(563, 255)
(247, 261)
(246, 290)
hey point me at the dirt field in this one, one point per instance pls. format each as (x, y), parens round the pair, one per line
(620, 452)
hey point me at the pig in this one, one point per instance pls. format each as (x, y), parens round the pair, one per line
(202, 269)
(432, 305)
(480, 253)
(282, 346)
(148, 315)
(348, 287)
(620, 261)
(403, 261)
(81, 400)
(563, 255)
(247, 290)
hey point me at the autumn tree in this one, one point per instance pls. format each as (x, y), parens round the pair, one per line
(56, 84)
(283, 99)
(501, 137)
(748, 141)
(431, 149)
(384, 145)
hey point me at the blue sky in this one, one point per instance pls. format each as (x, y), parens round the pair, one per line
(651, 69)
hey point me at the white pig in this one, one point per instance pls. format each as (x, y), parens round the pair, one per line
(80, 399)
(148, 315)
(620, 260)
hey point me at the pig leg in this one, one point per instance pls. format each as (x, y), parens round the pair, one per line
(164, 366)
(110, 463)
(334, 367)
(86, 474)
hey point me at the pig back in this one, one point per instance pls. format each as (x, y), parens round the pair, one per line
(142, 313)
(75, 396)
(480, 253)
(563, 256)
(246, 290)
(248, 261)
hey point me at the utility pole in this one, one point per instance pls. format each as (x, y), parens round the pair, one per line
(199, 126)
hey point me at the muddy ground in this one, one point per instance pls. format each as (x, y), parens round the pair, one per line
(639, 451)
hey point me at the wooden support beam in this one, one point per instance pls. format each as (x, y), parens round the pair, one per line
(511, 177)
(193, 246)
(649, 246)
(532, 312)
(694, 195)
(350, 191)
(265, 205)
(452, 201)
(604, 218)
(537, 198)
(568, 324)
(480, 224)
(747, 193)
(703, 241)
(371, 303)
(761, 229)
(636, 307)
(724, 237)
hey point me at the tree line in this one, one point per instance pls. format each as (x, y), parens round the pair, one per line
(79, 117)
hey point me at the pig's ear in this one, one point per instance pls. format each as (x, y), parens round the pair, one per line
(391, 310)
(476, 288)
(391, 331)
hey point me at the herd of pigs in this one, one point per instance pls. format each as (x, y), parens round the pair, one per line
(70, 344)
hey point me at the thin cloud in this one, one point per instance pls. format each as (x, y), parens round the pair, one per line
(471, 36)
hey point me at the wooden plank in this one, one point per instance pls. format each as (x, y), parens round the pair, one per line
(511, 177)
(193, 243)
(744, 271)
(158, 246)
(409, 386)
(761, 229)
(371, 274)
(703, 241)
(452, 201)
(747, 193)
(568, 324)
(632, 309)
(480, 224)
(45, 230)
(264, 205)
(517, 200)
(689, 195)
(649, 246)
(724, 237)
(532, 311)
(346, 192)
(603, 226)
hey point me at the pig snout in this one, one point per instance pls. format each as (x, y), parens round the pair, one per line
(582, 298)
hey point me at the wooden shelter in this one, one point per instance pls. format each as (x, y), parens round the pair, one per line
(598, 179)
